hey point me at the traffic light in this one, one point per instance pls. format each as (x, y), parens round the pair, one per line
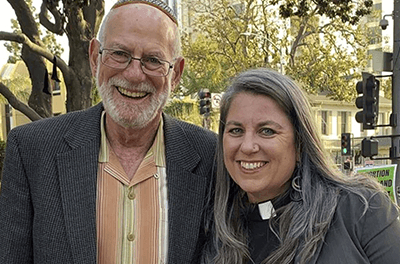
(369, 147)
(205, 102)
(345, 144)
(368, 102)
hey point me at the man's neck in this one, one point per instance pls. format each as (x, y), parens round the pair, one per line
(131, 137)
(131, 145)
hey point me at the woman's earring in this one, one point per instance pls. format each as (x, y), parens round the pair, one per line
(295, 192)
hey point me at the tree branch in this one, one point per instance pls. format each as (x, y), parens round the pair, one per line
(17, 104)
(23, 39)
(57, 26)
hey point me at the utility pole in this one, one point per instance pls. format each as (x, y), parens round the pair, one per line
(396, 94)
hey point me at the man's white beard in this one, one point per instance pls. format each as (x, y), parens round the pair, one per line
(131, 115)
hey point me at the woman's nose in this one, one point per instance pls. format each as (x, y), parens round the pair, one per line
(249, 145)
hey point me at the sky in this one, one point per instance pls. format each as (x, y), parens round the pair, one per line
(7, 13)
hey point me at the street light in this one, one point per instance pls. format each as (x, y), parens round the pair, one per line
(247, 34)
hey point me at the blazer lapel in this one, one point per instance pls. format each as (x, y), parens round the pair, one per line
(78, 173)
(186, 193)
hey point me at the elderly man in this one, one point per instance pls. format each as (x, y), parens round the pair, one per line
(120, 182)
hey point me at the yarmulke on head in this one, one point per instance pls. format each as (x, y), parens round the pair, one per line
(156, 3)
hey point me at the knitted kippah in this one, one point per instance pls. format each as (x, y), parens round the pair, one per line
(156, 3)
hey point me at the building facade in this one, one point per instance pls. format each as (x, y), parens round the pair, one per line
(17, 73)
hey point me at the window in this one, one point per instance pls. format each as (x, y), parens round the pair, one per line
(324, 123)
(56, 87)
(343, 124)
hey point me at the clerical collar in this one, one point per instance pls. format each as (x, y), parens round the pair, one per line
(266, 210)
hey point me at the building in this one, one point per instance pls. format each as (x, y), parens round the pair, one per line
(17, 75)
(336, 117)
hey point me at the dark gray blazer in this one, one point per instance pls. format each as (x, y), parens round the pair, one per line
(355, 237)
(48, 196)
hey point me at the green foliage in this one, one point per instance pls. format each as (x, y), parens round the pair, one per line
(386, 87)
(14, 47)
(95, 95)
(348, 11)
(322, 51)
(20, 86)
(222, 44)
(185, 109)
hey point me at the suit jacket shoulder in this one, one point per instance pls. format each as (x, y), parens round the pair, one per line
(190, 152)
(180, 134)
(85, 123)
(362, 231)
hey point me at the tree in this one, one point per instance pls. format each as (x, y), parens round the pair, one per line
(316, 42)
(49, 40)
(79, 20)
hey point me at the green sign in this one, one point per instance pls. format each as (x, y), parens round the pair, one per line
(385, 174)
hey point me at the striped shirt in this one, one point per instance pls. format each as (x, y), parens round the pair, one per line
(132, 214)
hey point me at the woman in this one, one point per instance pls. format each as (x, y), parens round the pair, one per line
(278, 199)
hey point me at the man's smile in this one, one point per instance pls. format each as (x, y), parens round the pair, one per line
(131, 94)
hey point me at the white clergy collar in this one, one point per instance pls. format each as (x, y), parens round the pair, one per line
(266, 210)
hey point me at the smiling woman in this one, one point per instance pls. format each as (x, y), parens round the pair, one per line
(278, 198)
(259, 147)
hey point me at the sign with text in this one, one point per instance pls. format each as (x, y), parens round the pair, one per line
(385, 174)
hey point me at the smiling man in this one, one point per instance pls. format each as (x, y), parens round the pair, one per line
(120, 182)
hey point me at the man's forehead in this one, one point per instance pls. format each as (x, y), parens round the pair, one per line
(154, 3)
(140, 12)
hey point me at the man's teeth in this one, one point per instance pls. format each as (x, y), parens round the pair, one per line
(252, 165)
(131, 94)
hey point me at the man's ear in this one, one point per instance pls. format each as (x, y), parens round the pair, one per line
(177, 72)
(94, 48)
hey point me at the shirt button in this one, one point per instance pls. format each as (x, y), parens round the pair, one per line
(131, 194)
(131, 237)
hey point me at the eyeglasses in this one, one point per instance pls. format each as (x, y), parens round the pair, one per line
(119, 59)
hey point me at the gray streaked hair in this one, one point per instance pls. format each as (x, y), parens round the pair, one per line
(302, 225)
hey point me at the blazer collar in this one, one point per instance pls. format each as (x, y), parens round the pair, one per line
(86, 127)
(77, 170)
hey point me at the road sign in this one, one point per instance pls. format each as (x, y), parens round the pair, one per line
(386, 175)
(216, 99)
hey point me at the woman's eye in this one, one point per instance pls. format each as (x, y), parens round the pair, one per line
(266, 131)
(235, 131)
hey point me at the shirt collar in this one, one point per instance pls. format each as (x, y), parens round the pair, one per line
(158, 148)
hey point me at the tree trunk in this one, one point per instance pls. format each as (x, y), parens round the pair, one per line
(38, 100)
(82, 26)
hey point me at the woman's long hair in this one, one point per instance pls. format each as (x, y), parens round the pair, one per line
(302, 224)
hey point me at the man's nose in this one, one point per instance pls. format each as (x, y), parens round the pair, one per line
(134, 73)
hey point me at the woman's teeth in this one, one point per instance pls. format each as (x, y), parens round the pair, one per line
(252, 165)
